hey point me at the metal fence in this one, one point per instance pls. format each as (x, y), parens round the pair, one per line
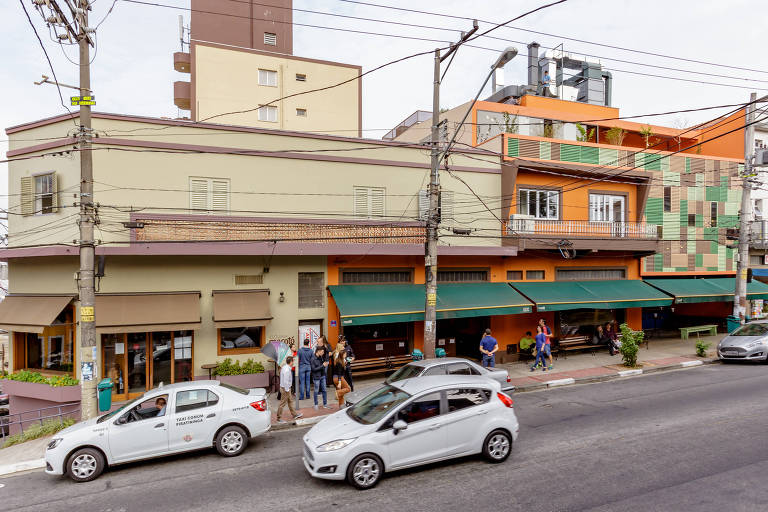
(37, 417)
(587, 229)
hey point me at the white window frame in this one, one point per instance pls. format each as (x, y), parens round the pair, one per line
(40, 195)
(551, 200)
(369, 202)
(210, 195)
(601, 207)
(268, 77)
(268, 114)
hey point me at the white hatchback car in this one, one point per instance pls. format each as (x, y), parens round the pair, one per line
(170, 419)
(409, 423)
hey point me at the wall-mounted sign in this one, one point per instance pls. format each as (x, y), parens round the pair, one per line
(86, 314)
(379, 346)
(82, 100)
(86, 370)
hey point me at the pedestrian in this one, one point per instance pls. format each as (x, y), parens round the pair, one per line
(545, 82)
(541, 340)
(488, 347)
(305, 369)
(350, 358)
(613, 339)
(286, 380)
(319, 375)
(548, 344)
(339, 370)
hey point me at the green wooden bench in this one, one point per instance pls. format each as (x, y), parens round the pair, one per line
(685, 331)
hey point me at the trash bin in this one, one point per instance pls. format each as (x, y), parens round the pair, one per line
(733, 323)
(439, 352)
(417, 355)
(105, 394)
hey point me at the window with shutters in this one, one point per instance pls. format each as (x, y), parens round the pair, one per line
(268, 77)
(374, 276)
(270, 39)
(445, 206)
(268, 113)
(39, 194)
(369, 202)
(462, 276)
(209, 194)
(311, 289)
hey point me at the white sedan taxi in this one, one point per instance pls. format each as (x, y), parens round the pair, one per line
(412, 422)
(170, 419)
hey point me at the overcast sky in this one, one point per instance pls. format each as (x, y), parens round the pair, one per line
(133, 72)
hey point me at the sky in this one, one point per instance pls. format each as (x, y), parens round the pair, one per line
(132, 70)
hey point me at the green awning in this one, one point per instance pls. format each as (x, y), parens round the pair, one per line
(619, 294)
(707, 289)
(389, 303)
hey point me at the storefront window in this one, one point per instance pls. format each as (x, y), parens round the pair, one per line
(182, 356)
(379, 340)
(161, 358)
(53, 349)
(584, 322)
(240, 339)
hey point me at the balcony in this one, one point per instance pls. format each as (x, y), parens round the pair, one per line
(182, 95)
(182, 62)
(624, 236)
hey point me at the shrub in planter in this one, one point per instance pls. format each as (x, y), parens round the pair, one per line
(250, 374)
(701, 348)
(227, 367)
(630, 344)
(38, 378)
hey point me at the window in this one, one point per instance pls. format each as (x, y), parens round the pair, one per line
(435, 370)
(44, 192)
(369, 202)
(182, 356)
(756, 259)
(301, 112)
(606, 208)
(311, 289)
(541, 204)
(239, 339)
(462, 276)
(422, 408)
(713, 214)
(301, 77)
(51, 350)
(692, 219)
(377, 405)
(211, 194)
(462, 398)
(444, 205)
(268, 113)
(249, 279)
(590, 274)
(270, 39)
(375, 276)
(268, 77)
(195, 399)
(462, 369)
(150, 408)
(514, 275)
(667, 199)
(534, 275)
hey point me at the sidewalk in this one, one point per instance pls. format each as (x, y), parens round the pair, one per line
(661, 354)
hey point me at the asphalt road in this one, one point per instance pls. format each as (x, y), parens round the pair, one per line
(691, 440)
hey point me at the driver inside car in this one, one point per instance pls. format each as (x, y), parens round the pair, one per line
(160, 404)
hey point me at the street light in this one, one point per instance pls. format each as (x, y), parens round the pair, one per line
(507, 55)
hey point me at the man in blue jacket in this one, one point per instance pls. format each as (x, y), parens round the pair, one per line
(305, 369)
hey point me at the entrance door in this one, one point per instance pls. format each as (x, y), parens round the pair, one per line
(114, 363)
(137, 365)
(466, 333)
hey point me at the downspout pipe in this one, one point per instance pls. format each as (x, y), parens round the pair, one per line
(608, 87)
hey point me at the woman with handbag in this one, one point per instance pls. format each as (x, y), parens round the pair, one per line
(339, 370)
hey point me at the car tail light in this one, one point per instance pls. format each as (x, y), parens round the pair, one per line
(509, 379)
(261, 405)
(505, 399)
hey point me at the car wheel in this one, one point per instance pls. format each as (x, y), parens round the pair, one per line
(231, 441)
(497, 446)
(365, 471)
(84, 465)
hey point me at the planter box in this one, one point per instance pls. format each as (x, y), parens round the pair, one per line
(37, 391)
(247, 381)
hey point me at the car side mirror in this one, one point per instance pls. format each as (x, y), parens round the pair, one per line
(398, 426)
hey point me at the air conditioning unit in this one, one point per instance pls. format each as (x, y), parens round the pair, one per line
(522, 223)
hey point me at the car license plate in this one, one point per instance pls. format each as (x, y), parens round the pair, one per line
(730, 353)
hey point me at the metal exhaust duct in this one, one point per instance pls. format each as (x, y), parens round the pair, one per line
(533, 64)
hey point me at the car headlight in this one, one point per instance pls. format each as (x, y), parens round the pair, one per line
(54, 443)
(753, 344)
(335, 445)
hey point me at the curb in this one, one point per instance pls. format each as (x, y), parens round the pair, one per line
(8, 469)
(301, 422)
(615, 376)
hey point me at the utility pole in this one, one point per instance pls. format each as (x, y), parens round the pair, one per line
(745, 217)
(433, 216)
(78, 30)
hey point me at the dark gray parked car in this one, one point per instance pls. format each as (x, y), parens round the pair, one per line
(747, 343)
(440, 366)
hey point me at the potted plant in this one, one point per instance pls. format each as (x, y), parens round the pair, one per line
(248, 375)
(28, 384)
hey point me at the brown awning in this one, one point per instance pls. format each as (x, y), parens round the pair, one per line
(241, 308)
(139, 312)
(31, 313)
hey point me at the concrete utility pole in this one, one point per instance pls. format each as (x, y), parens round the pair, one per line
(745, 215)
(78, 30)
(433, 216)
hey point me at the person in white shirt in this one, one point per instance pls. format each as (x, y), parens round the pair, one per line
(286, 380)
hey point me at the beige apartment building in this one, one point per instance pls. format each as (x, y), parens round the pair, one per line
(211, 246)
(242, 71)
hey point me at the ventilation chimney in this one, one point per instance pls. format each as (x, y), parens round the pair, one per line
(533, 64)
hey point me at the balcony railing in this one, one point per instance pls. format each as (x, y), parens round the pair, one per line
(583, 229)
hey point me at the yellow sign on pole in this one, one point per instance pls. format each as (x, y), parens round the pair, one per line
(86, 314)
(431, 299)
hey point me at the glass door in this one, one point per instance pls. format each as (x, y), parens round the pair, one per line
(114, 363)
(137, 367)
(161, 358)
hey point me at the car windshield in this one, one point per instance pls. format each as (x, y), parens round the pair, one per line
(375, 406)
(118, 410)
(405, 372)
(751, 330)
